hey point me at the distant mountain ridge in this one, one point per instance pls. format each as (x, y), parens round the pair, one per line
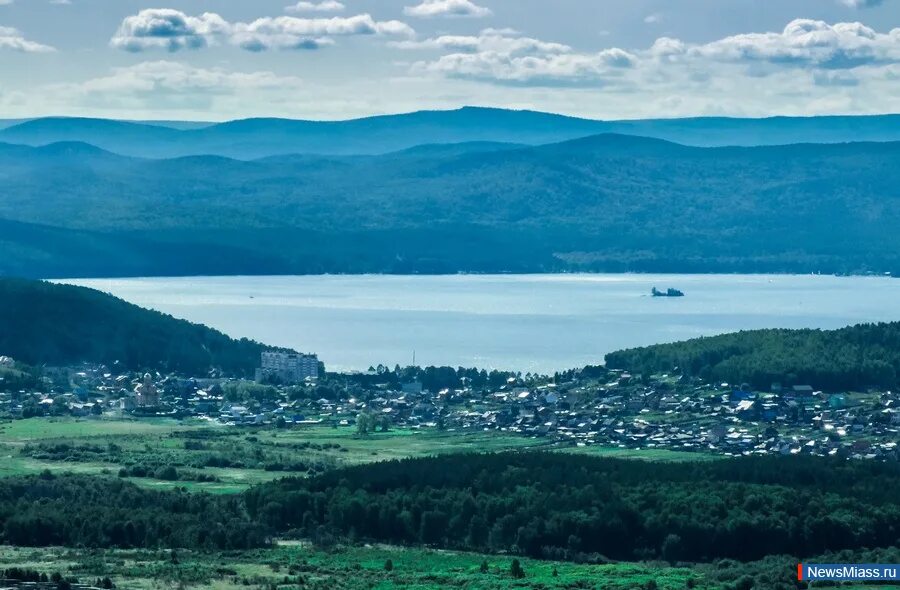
(250, 139)
(608, 202)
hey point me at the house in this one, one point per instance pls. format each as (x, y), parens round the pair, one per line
(415, 387)
(746, 410)
(837, 401)
(802, 390)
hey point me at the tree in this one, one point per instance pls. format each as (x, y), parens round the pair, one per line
(363, 423)
(672, 548)
(389, 565)
(515, 570)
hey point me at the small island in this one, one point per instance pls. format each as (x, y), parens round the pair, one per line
(667, 293)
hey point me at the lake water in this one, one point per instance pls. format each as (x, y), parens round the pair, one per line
(528, 323)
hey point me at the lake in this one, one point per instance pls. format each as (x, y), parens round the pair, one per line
(538, 323)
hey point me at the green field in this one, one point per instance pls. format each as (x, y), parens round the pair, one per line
(296, 565)
(23, 445)
(643, 454)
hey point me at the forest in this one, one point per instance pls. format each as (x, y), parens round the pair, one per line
(610, 203)
(49, 324)
(540, 505)
(49, 510)
(854, 358)
(573, 507)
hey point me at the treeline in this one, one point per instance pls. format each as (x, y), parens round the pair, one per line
(858, 357)
(47, 324)
(19, 376)
(574, 507)
(544, 505)
(72, 511)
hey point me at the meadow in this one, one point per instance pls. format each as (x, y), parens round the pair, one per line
(299, 565)
(107, 446)
(215, 458)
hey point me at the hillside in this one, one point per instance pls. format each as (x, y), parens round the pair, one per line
(855, 358)
(602, 203)
(257, 138)
(43, 323)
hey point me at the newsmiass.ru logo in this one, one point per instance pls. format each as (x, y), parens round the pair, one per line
(847, 571)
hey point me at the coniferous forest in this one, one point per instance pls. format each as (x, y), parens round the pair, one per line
(543, 505)
(856, 358)
(49, 324)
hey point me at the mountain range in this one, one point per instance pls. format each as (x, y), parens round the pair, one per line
(607, 202)
(258, 138)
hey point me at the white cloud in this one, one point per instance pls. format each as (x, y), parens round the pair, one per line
(167, 28)
(167, 76)
(14, 40)
(167, 86)
(807, 43)
(507, 57)
(654, 19)
(554, 69)
(497, 40)
(323, 6)
(861, 3)
(174, 30)
(447, 8)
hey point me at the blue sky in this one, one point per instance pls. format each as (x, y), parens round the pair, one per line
(325, 59)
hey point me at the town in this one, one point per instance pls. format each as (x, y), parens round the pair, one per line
(593, 406)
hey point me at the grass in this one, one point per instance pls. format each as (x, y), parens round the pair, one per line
(55, 428)
(401, 443)
(347, 568)
(163, 441)
(644, 454)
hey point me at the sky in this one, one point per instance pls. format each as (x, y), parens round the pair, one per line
(213, 60)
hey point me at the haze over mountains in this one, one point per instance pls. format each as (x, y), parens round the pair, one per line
(257, 138)
(606, 202)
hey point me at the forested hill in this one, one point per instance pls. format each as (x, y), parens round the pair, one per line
(256, 138)
(45, 323)
(855, 358)
(604, 203)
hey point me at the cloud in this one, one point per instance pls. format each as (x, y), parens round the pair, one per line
(323, 6)
(505, 56)
(167, 28)
(807, 43)
(14, 40)
(166, 86)
(841, 79)
(861, 3)
(173, 30)
(154, 77)
(654, 19)
(496, 40)
(447, 8)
